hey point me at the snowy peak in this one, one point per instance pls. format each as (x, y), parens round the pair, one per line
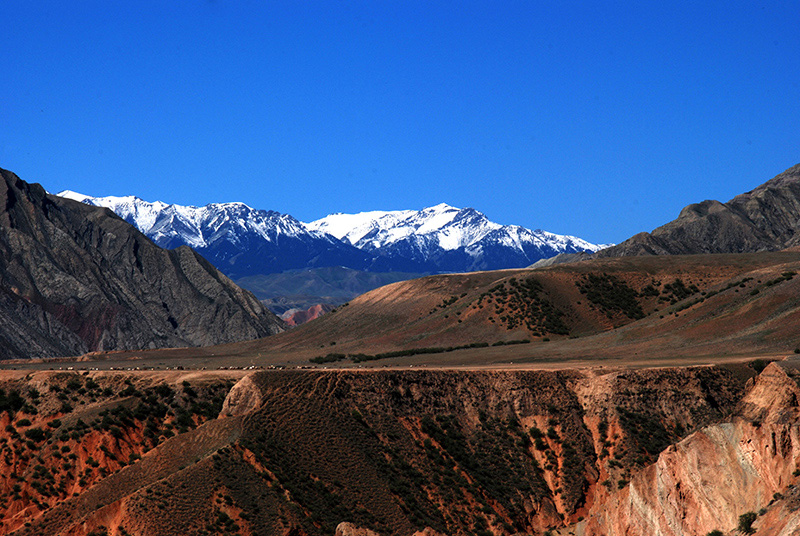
(241, 240)
(450, 228)
(449, 238)
(375, 229)
(353, 227)
(198, 227)
(237, 239)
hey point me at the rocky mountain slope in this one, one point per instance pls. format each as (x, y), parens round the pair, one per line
(747, 466)
(75, 278)
(764, 219)
(242, 241)
(300, 452)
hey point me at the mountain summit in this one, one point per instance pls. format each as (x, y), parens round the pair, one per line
(447, 238)
(242, 241)
(764, 219)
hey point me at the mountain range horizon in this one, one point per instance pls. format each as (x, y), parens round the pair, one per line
(256, 248)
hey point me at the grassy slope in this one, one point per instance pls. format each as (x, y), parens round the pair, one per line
(460, 309)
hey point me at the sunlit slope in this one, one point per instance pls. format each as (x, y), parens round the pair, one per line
(619, 301)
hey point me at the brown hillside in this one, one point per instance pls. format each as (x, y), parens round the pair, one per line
(572, 301)
(648, 310)
(81, 440)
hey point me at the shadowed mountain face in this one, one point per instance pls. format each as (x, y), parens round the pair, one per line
(75, 278)
(764, 219)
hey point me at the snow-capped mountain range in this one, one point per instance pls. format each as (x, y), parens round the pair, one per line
(243, 241)
(239, 240)
(454, 239)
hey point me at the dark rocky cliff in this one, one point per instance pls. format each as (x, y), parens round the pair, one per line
(75, 278)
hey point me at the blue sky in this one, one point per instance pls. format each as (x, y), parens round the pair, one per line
(597, 119)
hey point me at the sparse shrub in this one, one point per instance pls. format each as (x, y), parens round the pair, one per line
(329, 358)
(746, 522)
(35, 434)
(611, 295)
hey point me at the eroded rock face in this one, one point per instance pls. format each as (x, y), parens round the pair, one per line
(709, 479)
(532, 448)
(296, 318)
(396, 451)
(75, 278)
(348, 529)
(244, 397)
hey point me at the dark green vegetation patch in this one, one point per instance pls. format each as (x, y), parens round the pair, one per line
(525, 304)
(611, 295)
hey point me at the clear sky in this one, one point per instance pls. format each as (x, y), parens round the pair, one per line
(597, 119)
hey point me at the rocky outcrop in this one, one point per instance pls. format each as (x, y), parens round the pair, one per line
(75, 278)
(244, 397)
(348, 529)
(709, 479)
(295, 317)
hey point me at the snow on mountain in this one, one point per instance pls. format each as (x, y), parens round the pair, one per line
(236, 238)
(451, 238)
(198, 227)
(241, 240)
(353, 227)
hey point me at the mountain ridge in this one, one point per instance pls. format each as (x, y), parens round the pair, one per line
(242, 241)
(239, 240)
(763, 219)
